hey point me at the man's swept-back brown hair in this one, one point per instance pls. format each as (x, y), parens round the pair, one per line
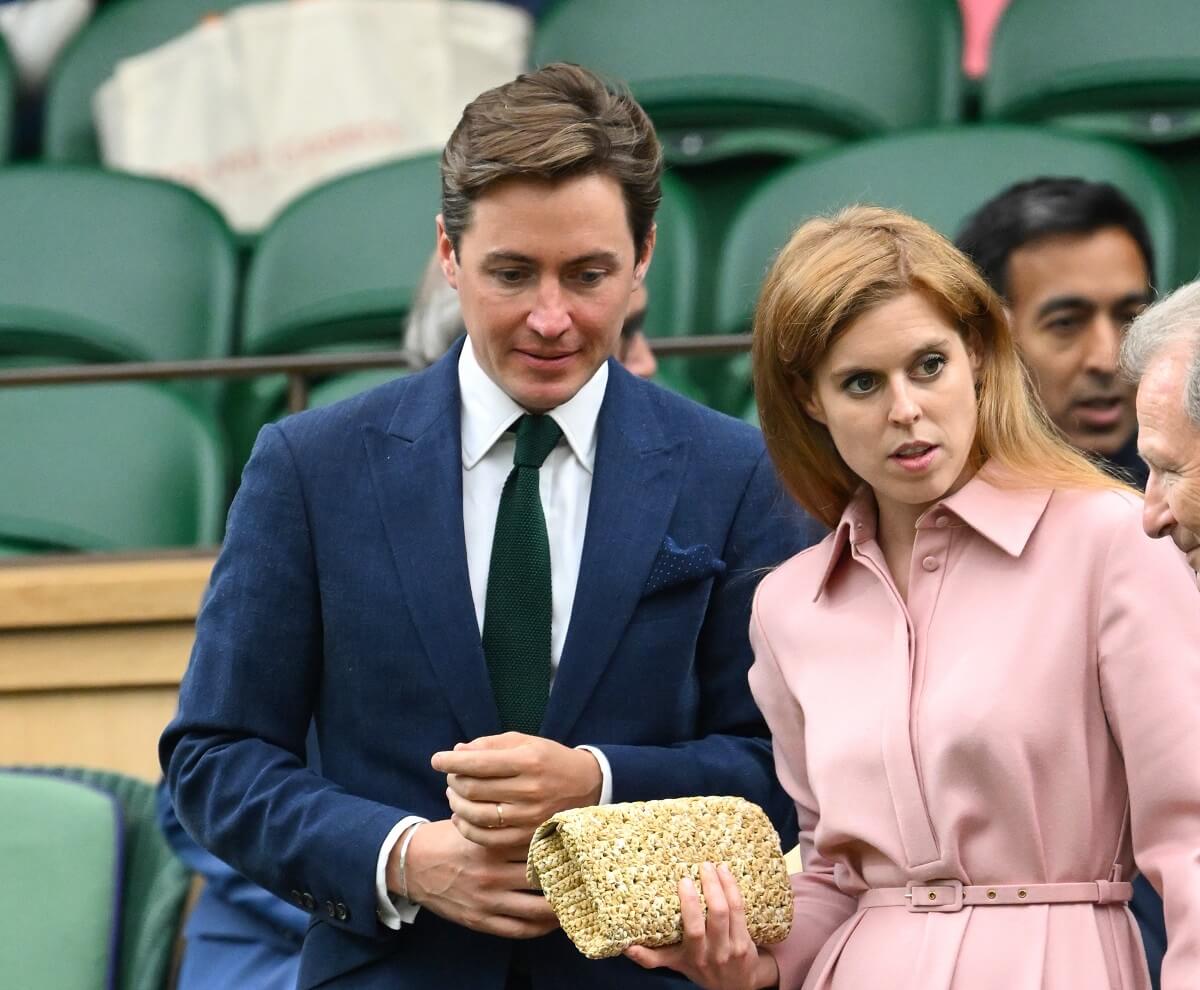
(556, 123)
(835, 269)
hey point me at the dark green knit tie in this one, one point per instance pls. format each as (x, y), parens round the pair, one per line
(516, 615)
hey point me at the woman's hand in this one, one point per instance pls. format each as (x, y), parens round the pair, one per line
(717, 952)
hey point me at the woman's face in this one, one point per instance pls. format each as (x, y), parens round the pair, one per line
(897, 394)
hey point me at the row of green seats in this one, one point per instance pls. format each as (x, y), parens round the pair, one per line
(736, 97)
(108, 267)
(788, 76)
(338, 270)
(103, 266)
(807, 71)
(785, 77)
(105, 468)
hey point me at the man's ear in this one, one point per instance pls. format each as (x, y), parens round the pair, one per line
(643, 263)
(447, 260)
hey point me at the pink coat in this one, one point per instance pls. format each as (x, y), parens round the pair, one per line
(1045, 672)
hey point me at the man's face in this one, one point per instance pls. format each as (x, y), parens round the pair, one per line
(1071, 298)
(1169, 443)
(544, 274)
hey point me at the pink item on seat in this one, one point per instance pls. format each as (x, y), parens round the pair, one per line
(980, 18)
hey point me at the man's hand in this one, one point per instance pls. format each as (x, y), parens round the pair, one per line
(483, 889)
(503, 787)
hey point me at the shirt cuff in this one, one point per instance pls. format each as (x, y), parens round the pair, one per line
(605, 774)
(392, 909)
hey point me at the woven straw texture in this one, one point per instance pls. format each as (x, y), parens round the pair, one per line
(612, 873)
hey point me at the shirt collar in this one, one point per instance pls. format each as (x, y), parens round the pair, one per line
(993, 505)
(488, 411)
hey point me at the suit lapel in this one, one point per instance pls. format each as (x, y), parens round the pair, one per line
(416, 467)
(635, 484)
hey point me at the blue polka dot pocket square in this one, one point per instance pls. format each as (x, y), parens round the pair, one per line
(674, 565)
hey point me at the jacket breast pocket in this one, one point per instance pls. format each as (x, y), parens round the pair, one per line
(684, 603)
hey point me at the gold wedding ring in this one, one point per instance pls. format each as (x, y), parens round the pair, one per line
(499, 816)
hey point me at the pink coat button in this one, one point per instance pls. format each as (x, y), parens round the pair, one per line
(941, 522)
(930, 563)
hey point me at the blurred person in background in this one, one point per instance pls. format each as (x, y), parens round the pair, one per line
(1162, 354)
(1073, 262)
(984, 685)
(435, 323)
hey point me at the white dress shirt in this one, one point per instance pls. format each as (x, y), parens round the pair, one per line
(565, 485)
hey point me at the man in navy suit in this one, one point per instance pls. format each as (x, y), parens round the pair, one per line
(485, 628)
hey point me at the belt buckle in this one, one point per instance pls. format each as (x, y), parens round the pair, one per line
(934, 896)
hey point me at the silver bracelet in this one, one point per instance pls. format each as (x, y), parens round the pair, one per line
(404, 841)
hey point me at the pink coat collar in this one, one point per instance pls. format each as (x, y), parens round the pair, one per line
(992, 503)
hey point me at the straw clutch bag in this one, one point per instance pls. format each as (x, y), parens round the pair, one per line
(612, 873)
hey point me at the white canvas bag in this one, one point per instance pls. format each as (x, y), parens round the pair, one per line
(257, 106)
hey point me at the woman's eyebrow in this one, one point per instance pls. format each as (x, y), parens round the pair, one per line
(933, 344)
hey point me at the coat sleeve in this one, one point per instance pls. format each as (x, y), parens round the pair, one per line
(224, 882)
(1149, 657)
(234, 755)
(819, 906)
(731, 753)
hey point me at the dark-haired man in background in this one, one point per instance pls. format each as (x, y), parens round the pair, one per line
(1073, 261)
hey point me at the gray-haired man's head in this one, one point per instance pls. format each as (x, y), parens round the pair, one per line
(1161, 355)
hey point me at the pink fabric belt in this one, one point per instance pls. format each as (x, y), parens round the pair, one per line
(945, 896)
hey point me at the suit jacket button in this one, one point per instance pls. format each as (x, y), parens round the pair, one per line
(308, 902)
(297, 898)
(330, 909)
(343, 913)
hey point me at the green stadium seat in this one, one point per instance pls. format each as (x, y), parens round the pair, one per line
(155, 882)
(783, 77)
(101, 267)
(342, 262)
(108, 467)
(1104, 66)
(119, 30)
(60, 851)
(337, 270)
(1108, 68)
(939, 176)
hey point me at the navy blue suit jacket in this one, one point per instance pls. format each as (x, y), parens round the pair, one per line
(342, 596)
